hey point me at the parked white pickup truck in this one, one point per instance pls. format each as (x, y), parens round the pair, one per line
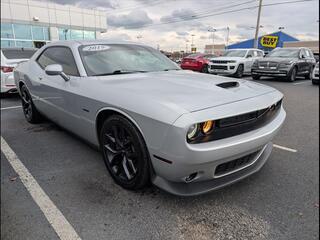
(234, 62)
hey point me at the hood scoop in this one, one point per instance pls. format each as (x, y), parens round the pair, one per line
(228, 85)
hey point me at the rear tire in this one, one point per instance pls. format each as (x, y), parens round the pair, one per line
(125, 153)
(239, 72)
(29, 110)
(292, 74)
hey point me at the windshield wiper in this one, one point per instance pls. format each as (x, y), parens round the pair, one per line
(119, 72)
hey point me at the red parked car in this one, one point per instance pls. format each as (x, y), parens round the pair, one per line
(196, 62)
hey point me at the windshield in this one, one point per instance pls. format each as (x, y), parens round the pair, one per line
(235, 53)
(284, 53)
(18, 53)
(105, 59)
(195, 55)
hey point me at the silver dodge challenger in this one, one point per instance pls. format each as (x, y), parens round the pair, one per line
(188, 133)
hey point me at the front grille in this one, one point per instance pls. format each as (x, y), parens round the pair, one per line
(236, 125)
(235, 164)
(219, 67)
(268, 64)
(220, 61)
(317, 75)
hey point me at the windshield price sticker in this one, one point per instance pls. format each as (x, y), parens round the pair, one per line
(95, 48)
(269, 41)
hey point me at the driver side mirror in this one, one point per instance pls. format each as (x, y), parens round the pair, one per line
(249, 56)
(303, 56)
(56, 69)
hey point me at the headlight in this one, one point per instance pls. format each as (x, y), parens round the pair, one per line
(207, 126)
(200, 130)
(193, 131)
(285, 64)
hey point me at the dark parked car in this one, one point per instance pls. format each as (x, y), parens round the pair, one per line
(285, 62)
(196, 62)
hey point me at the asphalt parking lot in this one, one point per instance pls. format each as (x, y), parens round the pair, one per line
(279, 202)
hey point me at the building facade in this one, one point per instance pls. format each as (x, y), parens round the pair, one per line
(216, 49)
(28, 23)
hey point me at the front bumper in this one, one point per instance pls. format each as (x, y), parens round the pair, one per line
(223, 69)
(204, 159)
(271, 73)
(197, 187)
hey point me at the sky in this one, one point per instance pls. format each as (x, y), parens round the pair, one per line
(170, 24)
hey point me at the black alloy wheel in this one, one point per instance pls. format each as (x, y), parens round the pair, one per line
(125, 153)
(29, 110)
(239, 72)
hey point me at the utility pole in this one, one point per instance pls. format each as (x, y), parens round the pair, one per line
(258, 26)
(212, 30)
(227, 40)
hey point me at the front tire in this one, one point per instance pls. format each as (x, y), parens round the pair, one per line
(125, 153)
(239, 72)
(29, 110)
(292, 75)
(256, 77)
(204, 69)
(309, 75)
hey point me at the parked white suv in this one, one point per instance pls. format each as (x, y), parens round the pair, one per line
(10, 57)
(235, 62)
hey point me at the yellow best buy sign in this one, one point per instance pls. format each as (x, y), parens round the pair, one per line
(269, 41)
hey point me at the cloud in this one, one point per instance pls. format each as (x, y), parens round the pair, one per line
(87, 4)
(182, 33)
(179, 14)
(135, 19)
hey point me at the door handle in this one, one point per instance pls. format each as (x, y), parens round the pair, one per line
(40, 78)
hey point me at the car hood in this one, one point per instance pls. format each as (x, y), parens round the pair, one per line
(227, 58)
(184, 90)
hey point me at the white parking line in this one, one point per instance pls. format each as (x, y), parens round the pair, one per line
(13, 107)
(285, 148)
(56, 219)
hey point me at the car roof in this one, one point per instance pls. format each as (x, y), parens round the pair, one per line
(72, 43)
(244, 49)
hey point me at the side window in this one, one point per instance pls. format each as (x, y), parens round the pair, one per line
(250, 53)
(307, 53)
(260, 54)
(59, 55)
(303, 53)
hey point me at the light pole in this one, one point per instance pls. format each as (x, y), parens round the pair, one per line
(255, 45)
(212, 30)
(187, 45)
(192, 45)
(227, 41)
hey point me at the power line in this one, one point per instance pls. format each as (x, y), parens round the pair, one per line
(226, 12)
